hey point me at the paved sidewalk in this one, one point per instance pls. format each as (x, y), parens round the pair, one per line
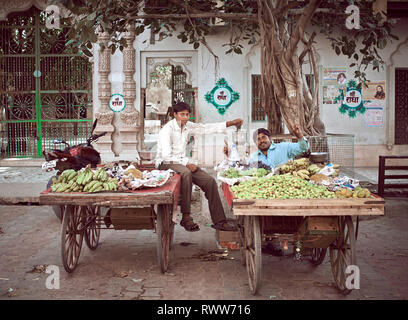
(125, 265)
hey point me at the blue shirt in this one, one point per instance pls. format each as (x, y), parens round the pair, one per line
(280, 153)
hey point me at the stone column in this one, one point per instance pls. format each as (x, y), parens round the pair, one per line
(104, 114)
(130, 117)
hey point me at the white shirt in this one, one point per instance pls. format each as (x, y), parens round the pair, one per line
(173, 141)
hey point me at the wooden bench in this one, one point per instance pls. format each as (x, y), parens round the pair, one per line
(382, 167)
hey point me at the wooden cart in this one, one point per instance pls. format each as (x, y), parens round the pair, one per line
(311, 224)
(149, 208)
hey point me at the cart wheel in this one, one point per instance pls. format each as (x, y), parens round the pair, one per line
(241, 234)
(163, 236)
(92, 230)
(253, 252)
(343, 253)
(318, 255)
(172, 224)
(72, 234)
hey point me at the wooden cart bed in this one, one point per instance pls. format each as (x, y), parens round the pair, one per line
(166, 194)
(304, 207)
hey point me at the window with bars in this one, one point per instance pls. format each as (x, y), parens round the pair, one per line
(258, 112)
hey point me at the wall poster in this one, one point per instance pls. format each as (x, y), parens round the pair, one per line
(334, 81)
(375, 90)
(374, 115)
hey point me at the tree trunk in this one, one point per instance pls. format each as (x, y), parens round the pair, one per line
(285, 94)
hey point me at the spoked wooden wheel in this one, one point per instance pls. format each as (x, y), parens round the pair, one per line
(72, 234)
(163, 221)
(343, 253)
(318, 255)
(92, 227)
(253, 252)
(241, 234)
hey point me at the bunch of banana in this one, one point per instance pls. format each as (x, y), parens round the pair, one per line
(361, 193)
(294, 165)
(66, 176)
(302, 163)
(287, 168)
(356, 193)
(87, 180)
(71, 186)
(303, 174)
(313, 169)
(344, 193)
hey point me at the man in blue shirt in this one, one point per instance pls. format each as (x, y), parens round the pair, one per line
(274, 155)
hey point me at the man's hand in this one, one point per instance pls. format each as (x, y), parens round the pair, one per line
(236, 122)
(192, 167)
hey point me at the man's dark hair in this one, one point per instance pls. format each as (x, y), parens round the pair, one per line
(180, 106)
(260, 130)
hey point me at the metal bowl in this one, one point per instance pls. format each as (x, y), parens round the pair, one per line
(319, 156)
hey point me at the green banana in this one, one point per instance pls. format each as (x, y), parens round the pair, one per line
(98, 189)
(89, 176)
(89, 185)
(64, 187)
(55, 186)
(72, 175)
(95, 186)
(80, 177)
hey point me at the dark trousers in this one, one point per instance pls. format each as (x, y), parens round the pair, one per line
(205, 182)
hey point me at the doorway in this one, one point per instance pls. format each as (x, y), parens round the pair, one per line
(168, 85)
(401, 106)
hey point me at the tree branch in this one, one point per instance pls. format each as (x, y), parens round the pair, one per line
(303, 21)
(308, 45)
(224, 16)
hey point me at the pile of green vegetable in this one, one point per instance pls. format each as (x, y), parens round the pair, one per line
(280, 187)
(253, 172)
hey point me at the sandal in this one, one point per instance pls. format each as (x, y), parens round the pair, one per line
(189, 225)
(224, 226)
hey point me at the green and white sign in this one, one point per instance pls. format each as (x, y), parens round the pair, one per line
(351, 100)
(222, 96)
(117, 103)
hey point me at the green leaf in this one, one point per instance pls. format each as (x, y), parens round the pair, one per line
(196, 45)
(237, 50)
(337, 49)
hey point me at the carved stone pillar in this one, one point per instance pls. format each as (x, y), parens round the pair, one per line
(129, 127)
(104, 114)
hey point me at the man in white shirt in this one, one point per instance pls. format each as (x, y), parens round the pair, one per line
(171, 154)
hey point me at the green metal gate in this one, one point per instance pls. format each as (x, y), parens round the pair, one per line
(45, 87)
